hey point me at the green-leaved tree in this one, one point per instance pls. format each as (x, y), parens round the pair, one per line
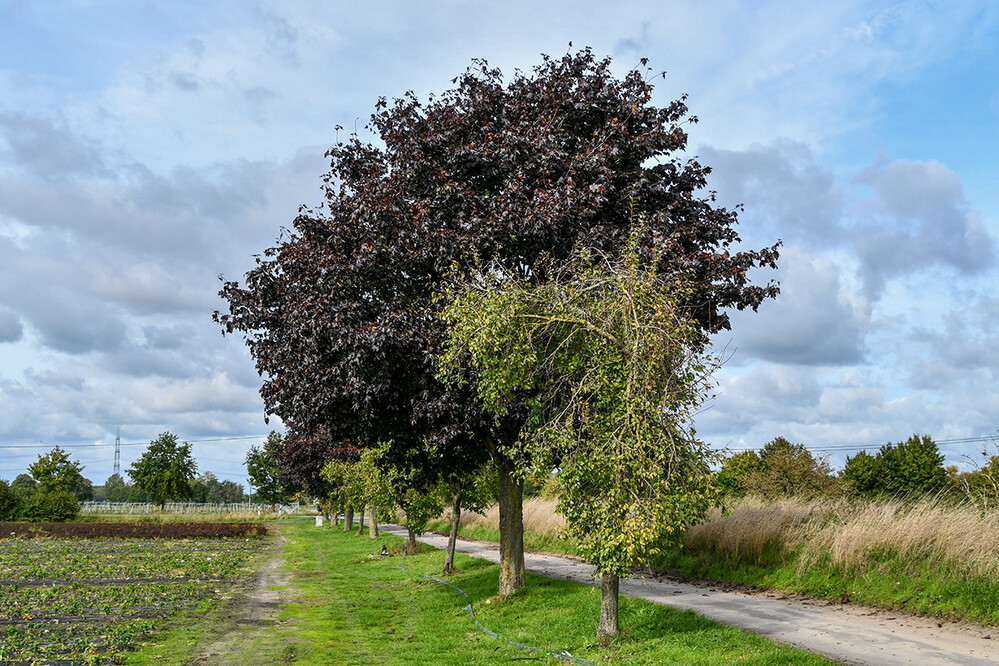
(866, 473)
(790, 469)
(735, 471)
(8, 502)
(913, 466)
(613, 368)
(263, 471)
(164, 470)
(55, 471)
(115, 488)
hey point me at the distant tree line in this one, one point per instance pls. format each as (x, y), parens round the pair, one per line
(54, 485)
(912, 467)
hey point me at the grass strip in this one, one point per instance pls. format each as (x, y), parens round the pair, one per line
(356, 607)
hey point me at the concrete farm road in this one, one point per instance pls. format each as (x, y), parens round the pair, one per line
(846, 633)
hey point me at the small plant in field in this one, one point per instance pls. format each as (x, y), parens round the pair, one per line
(110, 586)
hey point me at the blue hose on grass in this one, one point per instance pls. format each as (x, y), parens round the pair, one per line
(561, 655)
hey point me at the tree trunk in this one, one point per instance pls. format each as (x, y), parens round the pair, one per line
(511, 525)
(348, 517)
(608, 629)
(411, 544)
(360, 529)
(372, 521)
(452, 536)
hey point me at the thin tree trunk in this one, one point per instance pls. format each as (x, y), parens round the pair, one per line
(372, 521)
(348, 517)
(608, 629)
(411, 543)
(511, 524)
(452, 536)
(360, 515)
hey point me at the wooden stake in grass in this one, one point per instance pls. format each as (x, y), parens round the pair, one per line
(607, 630)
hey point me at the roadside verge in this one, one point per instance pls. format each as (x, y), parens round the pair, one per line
(844, 632)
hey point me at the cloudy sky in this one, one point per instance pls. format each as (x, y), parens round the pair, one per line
(148, 147)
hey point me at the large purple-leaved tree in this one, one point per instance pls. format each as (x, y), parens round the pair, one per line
(342, 315)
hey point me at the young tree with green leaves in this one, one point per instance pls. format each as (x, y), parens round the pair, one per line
(164, 470)
(614, 368)
(362, 484)
(788, 469)
(55, 471)
(264, 473)
(473, 491)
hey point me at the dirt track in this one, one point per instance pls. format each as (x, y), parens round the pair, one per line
(847, 633)
(245, 636)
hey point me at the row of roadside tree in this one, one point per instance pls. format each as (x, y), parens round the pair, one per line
(521, 277)
(513, 281)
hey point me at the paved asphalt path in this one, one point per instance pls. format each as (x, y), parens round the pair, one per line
(847, 633)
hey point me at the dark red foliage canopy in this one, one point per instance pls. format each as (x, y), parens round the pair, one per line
(340, 316)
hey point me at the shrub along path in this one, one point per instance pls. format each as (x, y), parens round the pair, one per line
(847, 633)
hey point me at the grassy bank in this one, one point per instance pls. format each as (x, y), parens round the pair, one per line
(352, 606)
(922, 556)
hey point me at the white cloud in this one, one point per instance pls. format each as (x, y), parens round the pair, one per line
(813, 321)
(918, 218)
(786, 191)
(141, 162)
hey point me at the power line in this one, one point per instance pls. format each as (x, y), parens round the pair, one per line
(863, 447)
(42, 445)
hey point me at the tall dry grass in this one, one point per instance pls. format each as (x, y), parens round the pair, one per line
(757, 530)
(852, 534)
(855, 534)
(540, 517)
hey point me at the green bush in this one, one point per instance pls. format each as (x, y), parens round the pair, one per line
(8, 502)
(28, 507)
(57, 506)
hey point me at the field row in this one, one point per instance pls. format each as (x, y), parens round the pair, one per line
(87, 601)
(113, 560)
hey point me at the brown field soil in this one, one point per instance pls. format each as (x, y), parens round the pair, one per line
(131, 530)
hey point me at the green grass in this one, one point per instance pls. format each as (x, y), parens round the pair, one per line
(353, 607)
